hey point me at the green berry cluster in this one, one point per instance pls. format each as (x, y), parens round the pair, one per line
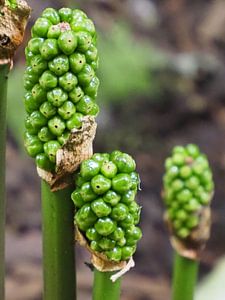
(188, 187)
(107, 213)
(60, 81)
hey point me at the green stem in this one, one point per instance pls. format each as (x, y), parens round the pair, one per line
(4, 70)
(104, 288)
(184, 278)
(58, 244)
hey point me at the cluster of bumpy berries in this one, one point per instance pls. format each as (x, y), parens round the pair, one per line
(106, 211)
(188, 187)
(60, 81)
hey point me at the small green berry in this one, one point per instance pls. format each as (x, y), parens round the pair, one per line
(67, 42)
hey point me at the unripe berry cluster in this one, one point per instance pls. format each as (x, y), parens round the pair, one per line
(188, 187)
(60, 81)
(106, 211)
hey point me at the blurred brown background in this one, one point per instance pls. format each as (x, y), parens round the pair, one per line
(162, 78)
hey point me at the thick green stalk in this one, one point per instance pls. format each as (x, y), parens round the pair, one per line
(104, 288)
(58, 244)
(184, 278)
(4, 69)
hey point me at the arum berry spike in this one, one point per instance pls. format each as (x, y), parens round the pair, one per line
(107, 216)
(61, 84)
(188, 190)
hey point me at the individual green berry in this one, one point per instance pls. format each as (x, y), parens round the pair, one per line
(48, 80)
(108, 169)
(92, 234)
(57, 126)
(92, 89)
(30, 78)
(181, 215)
(86, 75)
(48, 110)
(75, 122)
(177, 185)
(45, 135)
(38, 93)
(134, 233)
(105, 226)
(184, 196)
(83, 25)
(89, 168)
(127, 252)
(183, 232)
(119, 212)
(76, 94)
(37, 119)
(121, 183)
(100, 208)
(29, 128)
(54, 32)
(65, 14)
(87, 192)
(68, 81)
(67, 110)
(94, 246)
(84, 40)
(128, 197)
(77, 199)
(38, 64)
(192, 183)
(59, 65)
(78, 14)
(192, 221)
(57, 97)
(100, 184)
(178, 159)
(122, 242)
(111, 197)
(106, 243)
(85, 217)
(117, 234)
(32, 144)
(135, 180)
(179, 149)
(101, 157)
(185, 172)
(41, 27)
(29, 55)
(192, 205)
(91, 54)
(50, 149)
(77, 62)
(134, 208)
(52, 15)
(63, 138)
(67, 42)
(34, 44)
(29, 103)
(193, 150)
(124, 163)
(128, 221)
(115, 254)
(49, 49)
(43, 162)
